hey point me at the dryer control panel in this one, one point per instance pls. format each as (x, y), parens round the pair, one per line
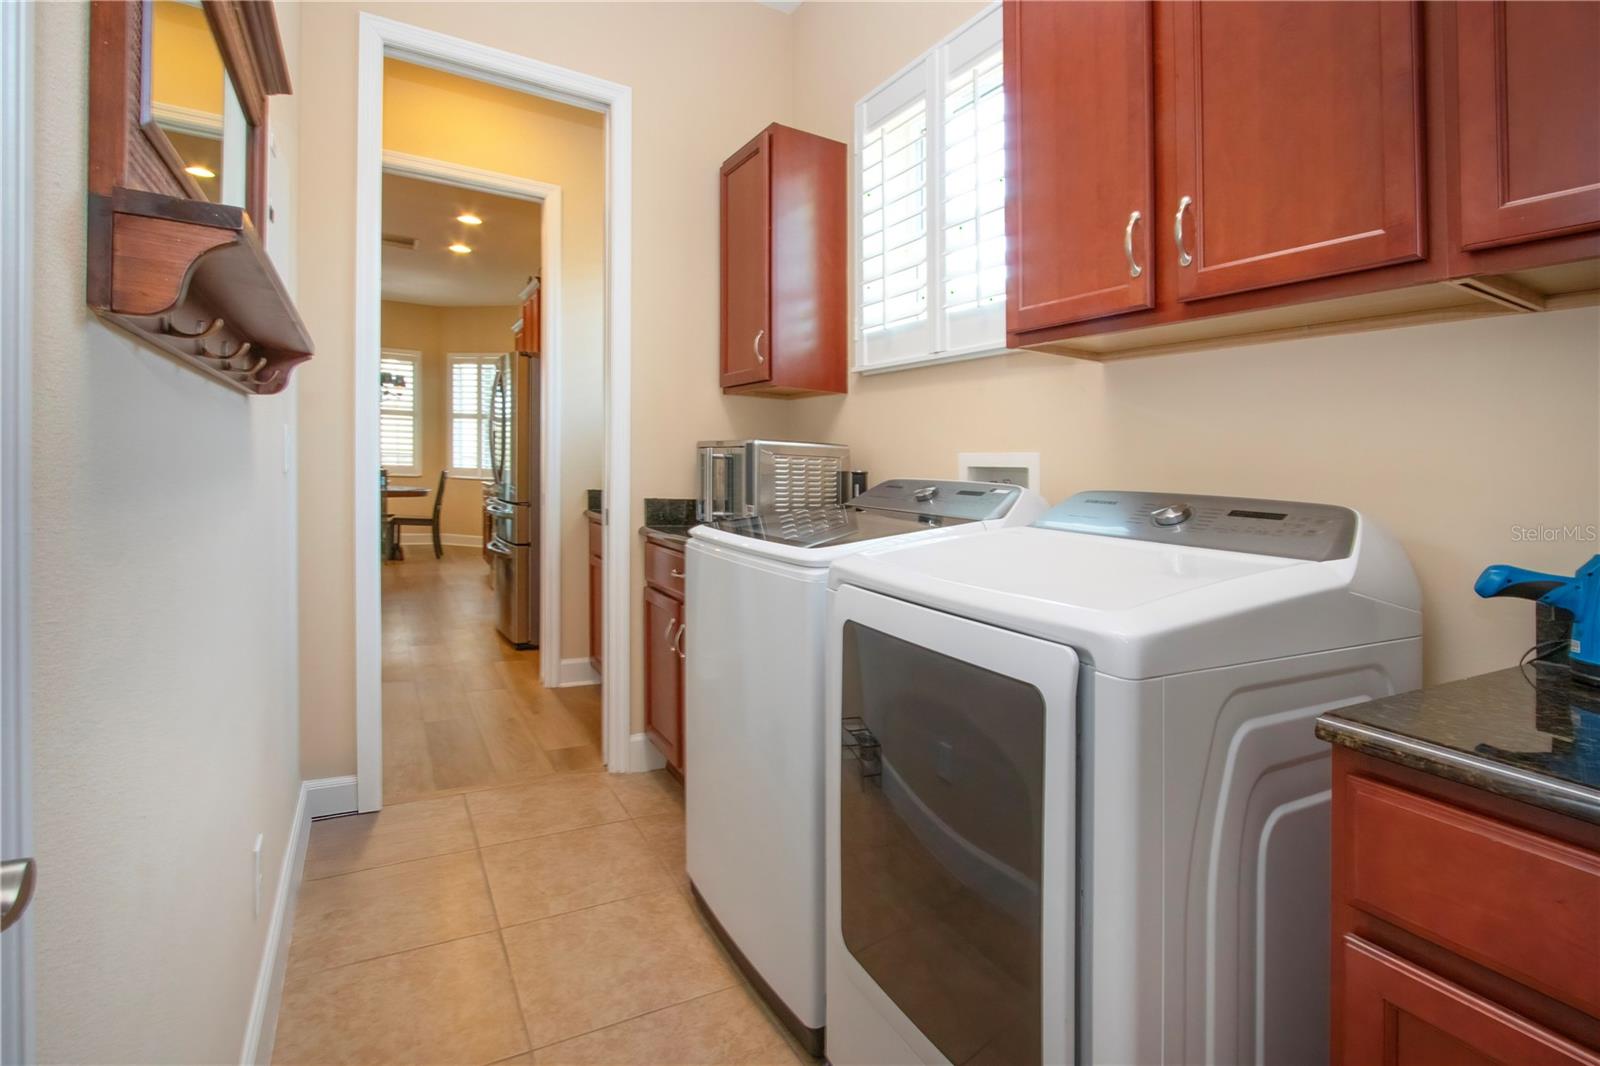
(1312, 531)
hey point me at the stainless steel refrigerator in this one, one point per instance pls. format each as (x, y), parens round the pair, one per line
(514, 504)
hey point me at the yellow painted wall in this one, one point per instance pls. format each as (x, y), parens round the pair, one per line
(1452, 436)
(436, 332)
(705, 78)
(185, 67)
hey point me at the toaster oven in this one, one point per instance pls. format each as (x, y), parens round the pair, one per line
(745, 477)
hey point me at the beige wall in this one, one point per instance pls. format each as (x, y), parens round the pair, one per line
(164, 642)
(705, 78)
(1449, 435)
(437, 332)
(443, 116)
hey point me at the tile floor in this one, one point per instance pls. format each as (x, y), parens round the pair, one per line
(517, 910)
(463, 709)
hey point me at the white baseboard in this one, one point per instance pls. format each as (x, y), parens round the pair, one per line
(261, 1028)
(330, 795)
(577, 672)
(643, 755)
(455, 540)
(324, 796)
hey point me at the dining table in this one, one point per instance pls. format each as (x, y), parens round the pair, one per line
(391, 543)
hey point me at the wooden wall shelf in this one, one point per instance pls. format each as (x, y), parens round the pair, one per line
(185, 275)
(192, 279)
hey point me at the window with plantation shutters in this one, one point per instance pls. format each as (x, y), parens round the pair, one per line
(929, 214)
(471, 389)
(399, 419)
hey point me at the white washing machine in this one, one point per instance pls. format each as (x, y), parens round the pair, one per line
(753, 713)
(1077, 811)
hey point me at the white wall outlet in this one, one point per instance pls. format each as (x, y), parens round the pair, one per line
(255, 854)
(1007, 468)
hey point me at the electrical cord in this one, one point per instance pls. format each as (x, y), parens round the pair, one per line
(1537, 654)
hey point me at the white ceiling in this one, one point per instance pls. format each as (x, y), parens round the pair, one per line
(505, 249)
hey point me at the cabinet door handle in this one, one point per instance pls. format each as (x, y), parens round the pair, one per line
(1184, 258)
(1134, 269)
(666, 634)
(755, 346)
(678, 644)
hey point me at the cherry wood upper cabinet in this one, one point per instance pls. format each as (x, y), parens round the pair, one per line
(746, 264)
(785, 270)
(1297, 142)
(1529, 101)
(1080, 191)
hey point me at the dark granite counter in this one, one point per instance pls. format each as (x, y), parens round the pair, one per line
(668, 521)
(1534, 742)
(669, 536)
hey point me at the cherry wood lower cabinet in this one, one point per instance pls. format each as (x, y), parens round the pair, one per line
(1466, 926)
(663, 653)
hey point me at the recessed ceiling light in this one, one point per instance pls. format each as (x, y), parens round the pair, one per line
(459, 248)
(469, 219)
(199, 170)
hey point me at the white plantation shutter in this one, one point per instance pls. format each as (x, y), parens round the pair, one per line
(399, 427)
(471, 385)
(930, 211)
(974, 205)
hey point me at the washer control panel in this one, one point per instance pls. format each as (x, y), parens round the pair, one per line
(1311, 531)
(958, 501)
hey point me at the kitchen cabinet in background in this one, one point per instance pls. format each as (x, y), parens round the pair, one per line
(596, 588)
(785, 270)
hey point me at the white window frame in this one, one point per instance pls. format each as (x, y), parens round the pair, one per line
(452, 360)
(415, 359)
(932, 70)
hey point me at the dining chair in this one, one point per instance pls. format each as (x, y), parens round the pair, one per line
(400, 521)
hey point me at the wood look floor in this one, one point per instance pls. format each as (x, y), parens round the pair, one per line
(511, 903)
(462, 708)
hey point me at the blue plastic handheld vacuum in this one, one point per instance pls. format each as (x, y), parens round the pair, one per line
(1578, 594)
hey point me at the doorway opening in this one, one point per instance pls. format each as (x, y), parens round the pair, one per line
(471, 712)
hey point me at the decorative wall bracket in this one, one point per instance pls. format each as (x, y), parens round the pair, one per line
(187, 276)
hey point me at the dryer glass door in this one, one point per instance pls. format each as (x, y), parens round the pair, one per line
(946, 831)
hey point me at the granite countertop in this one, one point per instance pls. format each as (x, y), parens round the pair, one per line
(671, 536)
(668, 521)
(1538, 742)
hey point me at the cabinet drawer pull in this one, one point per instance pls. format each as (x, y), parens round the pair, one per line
(755, 346)
(676, 573)
(1134, 269)
(1184, 258)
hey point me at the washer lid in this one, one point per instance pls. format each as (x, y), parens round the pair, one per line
(1138, 609)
